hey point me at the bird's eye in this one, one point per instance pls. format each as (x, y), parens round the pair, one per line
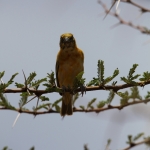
(71, 38)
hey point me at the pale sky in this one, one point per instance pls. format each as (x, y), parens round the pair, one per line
(29, 35)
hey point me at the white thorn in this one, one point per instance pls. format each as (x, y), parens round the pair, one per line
(16, 120)
(117, 4)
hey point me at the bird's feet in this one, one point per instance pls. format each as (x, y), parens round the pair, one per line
(83, 89)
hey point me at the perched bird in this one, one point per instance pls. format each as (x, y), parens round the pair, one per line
(69, 64)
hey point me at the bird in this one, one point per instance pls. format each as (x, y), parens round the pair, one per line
(69, 63)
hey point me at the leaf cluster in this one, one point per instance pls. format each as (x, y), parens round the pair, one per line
(100, 80)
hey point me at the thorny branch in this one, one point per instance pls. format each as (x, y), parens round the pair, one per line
(137, 144)
(122, 21)
(91, 88)
(97, 110)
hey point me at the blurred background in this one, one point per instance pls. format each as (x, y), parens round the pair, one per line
(29, 35)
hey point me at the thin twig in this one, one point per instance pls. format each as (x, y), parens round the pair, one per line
(90, 88)
(97, 110)
(136, 144)
(122, 21)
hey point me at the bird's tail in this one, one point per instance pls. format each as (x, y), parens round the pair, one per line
(66, 108)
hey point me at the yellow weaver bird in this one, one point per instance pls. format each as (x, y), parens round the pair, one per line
(69, 63)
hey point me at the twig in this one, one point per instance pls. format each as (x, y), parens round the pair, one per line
(122, 21)
(97, 110)
(90, 88)
(136, 144)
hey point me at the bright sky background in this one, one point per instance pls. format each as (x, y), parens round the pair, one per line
(29, 35)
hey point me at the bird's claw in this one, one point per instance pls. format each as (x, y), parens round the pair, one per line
(83, 89)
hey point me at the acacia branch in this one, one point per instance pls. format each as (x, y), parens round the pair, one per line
(97, 110)
(136, 144)
(122, 21)
(143, 9)
(115, 88)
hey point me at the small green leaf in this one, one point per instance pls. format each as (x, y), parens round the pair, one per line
(5, 103)
(94, 82)
(129, 139)
(79, 81)
(90, 103)
(125, 80)
(45, 106)
(31, 77)
(44, 98)
(135, 93)
(24, 98)
(125, 97)
(57, 108)
(36, 84)
(32, 148)
(2, 74)
(19, 85)
(82, 107)
(56, 102)
(101, 104)
(148, 95)
(138, 136)
(108, 79)
(110, 97)
(146, 76)
(11, 79)
(100, 71)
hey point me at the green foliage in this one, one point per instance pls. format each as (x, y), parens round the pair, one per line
(50, 84)
(30, 78)
(79, 81)
(90, 103)
(5, 148)
(32, 148)
(82, 107)
(44, 98)
(24, 98)
(36, 84)
(100, 71)
(3, 86)
(55, 104)
(5, 103)
(138, 136)
(2, 74)
(108, 144)
(100, 80)
(146, 76)
(11, 79)
(130, 77)
(132, 139)
(101, 104)
(108, 79)
(125, 97)
(94, 82)
(135, 93)
(110, 97)
(86, 147)
(19, 85)
(42, 106)
(148, 95)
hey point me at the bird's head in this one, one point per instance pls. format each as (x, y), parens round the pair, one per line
(67, 41)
